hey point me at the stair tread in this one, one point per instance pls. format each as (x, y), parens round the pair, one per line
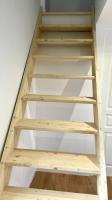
(64, 41)
(65, 13)
(57, 76)
(56, 125)
(66, 27)
(64, 58)
(55, 161)
(55, 98)
(14, 193)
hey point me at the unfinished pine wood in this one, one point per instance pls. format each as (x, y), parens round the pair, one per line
(64, 58)
(56, 125)
(101, 181)
(65, 13)
(33, 194)
(63, 99)
(67, 27)
(66, 35)
(56, 76)
(60, 162)
(4, 176)
(45, 41)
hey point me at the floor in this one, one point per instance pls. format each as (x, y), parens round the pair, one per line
(70, 183)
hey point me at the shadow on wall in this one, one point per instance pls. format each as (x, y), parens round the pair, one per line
(69, 6)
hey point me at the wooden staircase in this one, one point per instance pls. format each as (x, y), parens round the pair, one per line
(59, 162)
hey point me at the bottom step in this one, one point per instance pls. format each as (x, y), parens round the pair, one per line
(12, 193)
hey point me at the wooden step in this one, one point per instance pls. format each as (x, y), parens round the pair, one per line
(54, 161)
(56, 125)
(56, 76)
(13, 193)
(65, 27)
(54, 98)
(64, 58)
(65, 13)
(64, 41)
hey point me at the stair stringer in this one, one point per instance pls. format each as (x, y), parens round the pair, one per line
(12, 137)
(101, 179)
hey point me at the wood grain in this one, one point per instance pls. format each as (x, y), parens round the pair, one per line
(54, 161)
(68, 183)
(67, 27)
(63, 58)
(56, 98)
(57, 76)
(56, 125)
(45, 41)
(12, 193)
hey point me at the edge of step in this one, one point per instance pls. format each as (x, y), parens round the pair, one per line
(30, 193)
(68, 163)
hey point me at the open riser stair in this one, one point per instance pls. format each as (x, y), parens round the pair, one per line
(58, 45)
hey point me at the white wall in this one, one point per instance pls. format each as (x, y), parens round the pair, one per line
(17, 23)
(99, 6)
(105, 15)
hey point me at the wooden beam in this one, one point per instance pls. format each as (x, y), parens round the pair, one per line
(56, 125)
(63, 99)
(65, 27)
(101, 181)
(33, 194)
(64, 41)
(5, 172)
(64, 58)
(54, 161)
(56, 76)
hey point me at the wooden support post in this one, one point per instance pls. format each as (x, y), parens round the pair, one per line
(5, 172)
(101, 179)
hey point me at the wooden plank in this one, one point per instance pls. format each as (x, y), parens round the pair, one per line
(45, 41)
(5, 172)
(66, 27)
(54, 161)
(65, 13)
(64, 58)
(34, 194)
(56, 76)
(56, 125)
(54, 98)
(101, 180)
